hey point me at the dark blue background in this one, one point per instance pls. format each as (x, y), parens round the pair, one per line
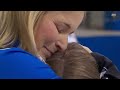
(110, 22)
(106, 45)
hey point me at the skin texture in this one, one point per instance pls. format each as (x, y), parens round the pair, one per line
(51, 33)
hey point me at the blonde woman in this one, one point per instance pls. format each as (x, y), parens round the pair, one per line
(28, 38)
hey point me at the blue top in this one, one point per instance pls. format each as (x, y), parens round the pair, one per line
(16, 63)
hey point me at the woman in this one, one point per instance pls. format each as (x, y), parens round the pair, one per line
(27, 38)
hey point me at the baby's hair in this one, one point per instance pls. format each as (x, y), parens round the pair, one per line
(74, 63)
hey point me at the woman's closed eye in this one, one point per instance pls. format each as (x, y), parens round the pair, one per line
(62, 27)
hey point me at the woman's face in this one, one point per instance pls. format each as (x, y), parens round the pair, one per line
(51, 33)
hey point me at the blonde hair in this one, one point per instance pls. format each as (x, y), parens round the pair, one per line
(19, 25)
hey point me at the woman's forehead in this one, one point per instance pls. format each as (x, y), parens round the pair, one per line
(66, 12)
(73, 18)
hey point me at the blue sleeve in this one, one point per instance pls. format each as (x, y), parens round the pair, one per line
(21, 65)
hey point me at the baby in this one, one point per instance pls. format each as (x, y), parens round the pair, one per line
(74, 63)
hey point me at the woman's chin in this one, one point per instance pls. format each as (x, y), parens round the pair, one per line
(42, 56)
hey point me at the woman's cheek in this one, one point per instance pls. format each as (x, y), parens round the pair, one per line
(51, 33)
(46, 33)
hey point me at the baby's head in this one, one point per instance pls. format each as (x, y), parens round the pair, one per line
(74, 63)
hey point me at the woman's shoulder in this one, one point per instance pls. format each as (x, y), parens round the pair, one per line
(16, 53)
(17, 63)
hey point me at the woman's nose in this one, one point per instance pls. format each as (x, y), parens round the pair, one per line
(62, 43)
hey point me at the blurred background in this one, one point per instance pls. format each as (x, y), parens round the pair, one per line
(100, 31)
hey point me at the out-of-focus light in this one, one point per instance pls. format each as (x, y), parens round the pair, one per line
(113, 14)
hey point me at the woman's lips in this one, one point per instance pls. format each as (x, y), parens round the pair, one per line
(47, 52)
